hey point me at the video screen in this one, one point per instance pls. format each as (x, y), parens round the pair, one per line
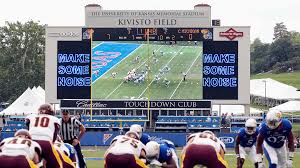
(154, 64)
(156, 70)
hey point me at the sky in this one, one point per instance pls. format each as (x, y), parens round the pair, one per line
(261, 15)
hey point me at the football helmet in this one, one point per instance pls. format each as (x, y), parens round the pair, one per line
(23, 133)
(250, 126)
(273, 119)
(132, 134)
(152, 150)
(46, 109)
(137, 128)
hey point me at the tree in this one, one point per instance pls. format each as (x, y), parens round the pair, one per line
(280, 31)
(260, 53)
(256, 43)
(22, 57)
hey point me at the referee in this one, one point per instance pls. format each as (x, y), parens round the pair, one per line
(68, 130)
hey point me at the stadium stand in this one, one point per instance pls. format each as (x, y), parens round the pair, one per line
(105, 123)
(238, 122)
(18, 123)
(187, 123)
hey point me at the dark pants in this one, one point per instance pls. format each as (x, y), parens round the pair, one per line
(50, 154)
(123, 161)
(79, 154)
(204, 155)
(16, 161)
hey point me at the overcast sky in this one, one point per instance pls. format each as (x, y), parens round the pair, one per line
(261, 15)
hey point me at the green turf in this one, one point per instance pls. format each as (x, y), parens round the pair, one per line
(292, 78)
(179, 58)
(229, 158)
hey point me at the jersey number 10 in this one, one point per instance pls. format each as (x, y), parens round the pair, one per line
(41, 121)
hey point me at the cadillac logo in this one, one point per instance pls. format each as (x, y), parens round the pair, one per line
(231, 34)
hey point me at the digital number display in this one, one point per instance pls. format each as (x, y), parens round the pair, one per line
(153, 34)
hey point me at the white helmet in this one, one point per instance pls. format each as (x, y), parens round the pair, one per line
(250, 126)
(192, 136)
(152, 150)
(209, 132)
(136, 128)
(273, 119)
(132, 134)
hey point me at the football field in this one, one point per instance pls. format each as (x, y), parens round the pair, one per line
(96, 159)
(140, 71)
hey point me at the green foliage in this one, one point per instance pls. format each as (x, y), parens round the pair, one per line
(282, 55)
(22, 57)
(280, 31)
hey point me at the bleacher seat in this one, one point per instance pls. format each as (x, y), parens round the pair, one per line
(190, 122)
(119, 121)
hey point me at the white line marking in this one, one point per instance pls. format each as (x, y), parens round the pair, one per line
(182, 79)
(161, 67)
(123, 81)
(98, 45)
(117, 63)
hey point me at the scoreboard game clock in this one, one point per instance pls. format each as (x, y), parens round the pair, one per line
(151, 34)
(147, 63)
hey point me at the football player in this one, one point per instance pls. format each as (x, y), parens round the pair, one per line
(66, 153)
(162, 153)
(126, 151)
(204, 149)
(272, 136)
(44, 128)
(245, 143)
(19, 151)
(144, 138)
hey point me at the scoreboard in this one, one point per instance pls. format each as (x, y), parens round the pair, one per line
(151, 34)
(217, 75)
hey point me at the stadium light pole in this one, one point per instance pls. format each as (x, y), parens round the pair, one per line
(265, 92)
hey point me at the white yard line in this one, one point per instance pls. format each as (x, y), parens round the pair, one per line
(114, 90)
(161, 67)
(182, 79)
(123, 81)
(98, 45)
(117, 63)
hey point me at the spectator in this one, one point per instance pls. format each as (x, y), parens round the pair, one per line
(3, 120)
(223, 122)
(78, 116)
(228, 120)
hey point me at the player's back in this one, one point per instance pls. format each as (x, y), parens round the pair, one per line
(43, 126)
(206, 139)
(126, 145)
(17, 146)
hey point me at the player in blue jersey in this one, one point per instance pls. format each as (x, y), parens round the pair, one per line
(72, 154)
(145, 138)
(272, 136)
(245, 143)
(162, 153)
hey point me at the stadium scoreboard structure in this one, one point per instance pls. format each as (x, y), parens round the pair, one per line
(109, 60)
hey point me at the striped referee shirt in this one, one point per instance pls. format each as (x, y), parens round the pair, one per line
(69, 130)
